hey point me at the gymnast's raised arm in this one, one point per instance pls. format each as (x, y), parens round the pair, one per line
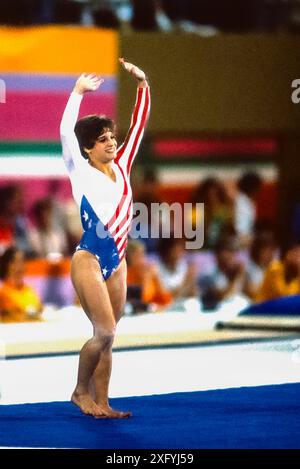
(71, 151)
(128, 150)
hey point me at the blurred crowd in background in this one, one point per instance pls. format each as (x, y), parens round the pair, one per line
(200, 16)
(240, 257)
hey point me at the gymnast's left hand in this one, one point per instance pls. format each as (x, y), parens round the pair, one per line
(135, 71)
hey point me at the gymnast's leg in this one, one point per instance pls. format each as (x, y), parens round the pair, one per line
(92, 291)
(116, 286)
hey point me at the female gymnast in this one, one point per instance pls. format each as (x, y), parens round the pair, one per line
(99, 174)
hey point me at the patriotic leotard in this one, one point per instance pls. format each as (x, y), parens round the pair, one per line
(105, 205)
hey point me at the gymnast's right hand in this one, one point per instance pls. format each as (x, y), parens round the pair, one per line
(87, 82)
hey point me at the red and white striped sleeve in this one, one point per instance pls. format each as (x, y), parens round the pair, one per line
(128, 150)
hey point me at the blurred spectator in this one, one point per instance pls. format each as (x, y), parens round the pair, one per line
(6, 228)
(177, 10)
(66, 216)
(56, 189)
(199, 16)
(228, 278)
(144, 15)
(262, 253)
(146, 191)
(18, 301)
(105, 15)
(232, 15)
(143, 274)
(178, 276)
(73, 225)
(218, 210)
(282, 278)
(239, 16)
(294, 17)
(18, 12)
(190, 15)
(168, 15)
(45, 238)
(67, 11)
(13, 223)
(245, 210)
(147, 188)
(44, 12)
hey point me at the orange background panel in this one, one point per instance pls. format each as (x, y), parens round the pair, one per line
(58, 49)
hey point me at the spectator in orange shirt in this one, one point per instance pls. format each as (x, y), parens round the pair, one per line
(282, 278)
(18, 301)
(142, 273)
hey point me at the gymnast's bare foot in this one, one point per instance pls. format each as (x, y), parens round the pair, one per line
(112, 413)
(87, 405)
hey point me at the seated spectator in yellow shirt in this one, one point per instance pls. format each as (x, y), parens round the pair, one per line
(18, 301)
(263, 252)
(282, 278)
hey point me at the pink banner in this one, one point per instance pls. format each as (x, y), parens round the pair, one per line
(36, 115)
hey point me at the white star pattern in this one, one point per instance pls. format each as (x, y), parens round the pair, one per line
(90, 224)
(85, 216)
(104, 271)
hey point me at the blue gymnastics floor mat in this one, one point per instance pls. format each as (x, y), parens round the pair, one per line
(248, 417)
(287, 305)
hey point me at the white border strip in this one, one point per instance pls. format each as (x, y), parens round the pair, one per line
(26, 166)
(191, 175)
(45, 166)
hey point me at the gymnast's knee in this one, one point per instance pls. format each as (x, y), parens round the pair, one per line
(105, 338)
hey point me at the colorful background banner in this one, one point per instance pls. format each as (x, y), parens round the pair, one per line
(39, 67)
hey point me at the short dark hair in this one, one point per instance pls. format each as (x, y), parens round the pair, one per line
(89, 128)
(150, 175)
(165, 246)
(227, 243)
(7, 193)
(6, 259)
(41, 205)
(250, 183)
(260, 242)
(288, 246)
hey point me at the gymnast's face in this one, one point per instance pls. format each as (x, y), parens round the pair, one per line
(105, 148)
